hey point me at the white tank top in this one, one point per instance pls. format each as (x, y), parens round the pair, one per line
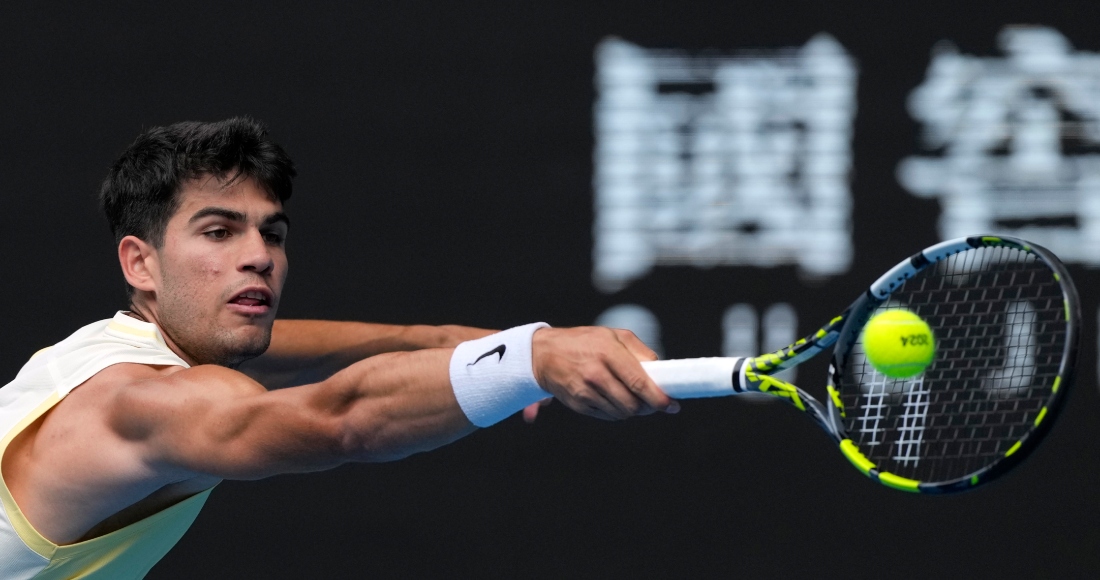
(46, 379)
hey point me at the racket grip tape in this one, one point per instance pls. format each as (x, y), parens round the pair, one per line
(694, 378)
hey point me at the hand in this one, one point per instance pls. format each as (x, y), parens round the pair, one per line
(595, 371)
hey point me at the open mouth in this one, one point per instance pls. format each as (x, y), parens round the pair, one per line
(252, 301)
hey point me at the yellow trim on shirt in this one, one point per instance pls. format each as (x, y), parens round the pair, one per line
(125, 553)
(119, 327)
(111, 551)
(27, 533)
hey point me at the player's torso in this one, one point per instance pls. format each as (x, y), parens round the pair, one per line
(75, 478)
(94, 509)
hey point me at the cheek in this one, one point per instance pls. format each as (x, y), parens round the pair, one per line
(198, 275)
(206, 265)
(211, 269)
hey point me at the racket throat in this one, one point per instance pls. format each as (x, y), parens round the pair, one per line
(828, 416)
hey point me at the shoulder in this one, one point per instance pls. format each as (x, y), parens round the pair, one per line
(129, 400)
(135, 394)
(132, 376)
(164, 381)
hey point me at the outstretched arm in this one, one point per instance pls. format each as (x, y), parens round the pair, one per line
(309, 351)
(215, 421)
(210, 420)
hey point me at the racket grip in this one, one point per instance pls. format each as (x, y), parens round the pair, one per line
(694, 378)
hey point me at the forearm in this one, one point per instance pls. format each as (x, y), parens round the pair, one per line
(307, 351)
(397, 404)
(354, 341)
(404, 403)
(410, 402)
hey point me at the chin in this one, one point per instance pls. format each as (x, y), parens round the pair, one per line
(240, 346)
(255, 344)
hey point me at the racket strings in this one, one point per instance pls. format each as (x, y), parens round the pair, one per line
(998, 317)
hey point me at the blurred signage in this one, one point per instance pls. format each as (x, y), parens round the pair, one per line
(1012, 143)
(710, 159)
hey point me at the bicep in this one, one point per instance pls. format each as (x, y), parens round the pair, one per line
(215, 421)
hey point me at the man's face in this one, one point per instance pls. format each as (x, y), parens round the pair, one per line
(221, 271)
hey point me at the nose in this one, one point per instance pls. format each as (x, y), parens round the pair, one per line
(256, 254)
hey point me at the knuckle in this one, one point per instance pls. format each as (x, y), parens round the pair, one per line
(638, 385)
(595, 372)
(576, 394)
(591, 377)
(587, 330)
(628, 337)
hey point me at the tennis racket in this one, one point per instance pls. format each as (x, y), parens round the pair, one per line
(1006, 320)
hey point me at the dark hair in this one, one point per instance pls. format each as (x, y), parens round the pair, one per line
(141, 191)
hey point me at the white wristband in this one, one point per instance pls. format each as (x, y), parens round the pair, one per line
(492, 376)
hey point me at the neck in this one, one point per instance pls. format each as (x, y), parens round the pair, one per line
(141, 311)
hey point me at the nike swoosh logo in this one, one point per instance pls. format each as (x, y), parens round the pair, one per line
(498, 350)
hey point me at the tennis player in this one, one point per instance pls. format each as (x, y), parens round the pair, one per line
(113, 438)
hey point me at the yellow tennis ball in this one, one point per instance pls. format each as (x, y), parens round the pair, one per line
(898, 343)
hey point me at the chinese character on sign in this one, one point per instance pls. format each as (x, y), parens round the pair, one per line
(1013, 143)
(708, 159)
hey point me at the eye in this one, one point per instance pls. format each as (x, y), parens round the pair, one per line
(218, 234)
(274, 238)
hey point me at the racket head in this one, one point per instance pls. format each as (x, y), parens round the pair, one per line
(1006, 320)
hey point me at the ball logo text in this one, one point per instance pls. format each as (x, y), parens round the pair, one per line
(915, 340)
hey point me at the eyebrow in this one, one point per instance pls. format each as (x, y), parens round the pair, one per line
(237, 216)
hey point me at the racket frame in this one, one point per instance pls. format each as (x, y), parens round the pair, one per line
(755, 374)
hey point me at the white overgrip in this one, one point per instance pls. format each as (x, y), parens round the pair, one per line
(693, 378)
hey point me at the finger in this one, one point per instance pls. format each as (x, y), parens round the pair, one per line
(531, 412)
(630, 374)
(598, 414)
(635, 345)
(626, 403)
(592, 396)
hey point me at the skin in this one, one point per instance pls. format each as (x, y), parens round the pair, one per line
(135, 439)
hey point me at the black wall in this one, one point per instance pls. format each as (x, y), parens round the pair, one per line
(445, 158)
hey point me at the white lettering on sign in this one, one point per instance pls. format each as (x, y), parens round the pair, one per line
(711, 160)
(1012, 144)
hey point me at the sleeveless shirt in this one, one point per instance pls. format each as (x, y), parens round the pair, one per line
(50, 375)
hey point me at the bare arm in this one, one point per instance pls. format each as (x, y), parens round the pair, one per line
(211, 420)
(309, 351)
(215, 421)
(134, 439)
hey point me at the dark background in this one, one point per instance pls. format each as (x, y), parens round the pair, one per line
(445, 155)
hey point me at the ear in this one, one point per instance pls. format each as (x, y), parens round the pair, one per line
(139, 263)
